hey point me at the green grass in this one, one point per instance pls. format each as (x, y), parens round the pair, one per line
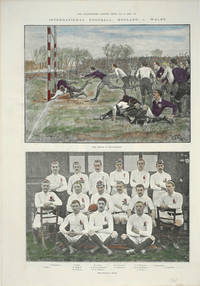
(37, 253)
(73, 120)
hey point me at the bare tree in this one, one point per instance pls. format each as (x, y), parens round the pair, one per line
(156, 53)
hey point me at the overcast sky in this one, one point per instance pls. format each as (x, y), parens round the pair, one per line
(171, 39)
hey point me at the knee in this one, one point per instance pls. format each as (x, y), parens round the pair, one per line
(116, 220)
(124, 221)
(114, 234)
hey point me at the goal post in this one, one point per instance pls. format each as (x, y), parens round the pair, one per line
(51, 61)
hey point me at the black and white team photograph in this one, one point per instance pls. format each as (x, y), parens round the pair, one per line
(107, 206)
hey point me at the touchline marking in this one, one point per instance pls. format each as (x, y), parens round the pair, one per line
(38, 120)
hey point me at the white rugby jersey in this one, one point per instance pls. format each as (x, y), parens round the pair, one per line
(83, 178)
(122, 200)
(57, 182)
(159, 178)
(98, 176)
(41, 198)
(77, 222)
(82, 198)
(119, 176)
(174, 201)
(139, 177)
(143, 223)
(145, 72)
(145, 199)
(109, 204)
(98, 220)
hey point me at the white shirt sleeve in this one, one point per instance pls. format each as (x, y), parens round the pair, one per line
(110, 224)
(129, 226)
(38, 201)
(63, 187)
(64, 224)
(148, 230)
(57, 201)
(153, 184)
(178, 202)
(92, 224)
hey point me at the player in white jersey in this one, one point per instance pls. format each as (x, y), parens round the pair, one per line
(118, 175)
(79, 196)
(172, 200)
(74, 229)
(120, 202)
(98, 175)
(139, 176)
(78, 176)
(158, 182)
(138, 231)
(148, 204)
(58, 185)
(48, 201)
(101, 194)
(101, 230)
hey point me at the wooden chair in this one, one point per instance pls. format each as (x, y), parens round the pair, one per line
(45, 226)
(164, 225)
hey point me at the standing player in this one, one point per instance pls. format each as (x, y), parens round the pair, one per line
(181, 78)
(101, 228)
(102, 194)
(104, 81)
(78, 176)
(158, 69)
(139, 176)
(148, 204)
(77, 225)
(158, 182)
(98, 175)
(118, 175)
(172, 200)
(58, 185)
(48, 201)
(144, 74)
(78, 196)
(121, 75)
(120, 202)
(138, 231)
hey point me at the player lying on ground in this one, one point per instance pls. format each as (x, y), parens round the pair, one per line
(136, 113)
(64, 87)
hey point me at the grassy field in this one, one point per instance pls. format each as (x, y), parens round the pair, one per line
(73, 120)
(37, 253)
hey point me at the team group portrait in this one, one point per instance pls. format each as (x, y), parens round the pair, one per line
(109, 83)
(109, 206)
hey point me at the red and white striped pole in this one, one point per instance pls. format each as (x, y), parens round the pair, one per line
(55, 57)
(48, 62)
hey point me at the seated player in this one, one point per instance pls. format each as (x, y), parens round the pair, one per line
(172, 200)
(78, 176)
(118, 175)
(76, 224)
(58, 185)
(98, 175)
(102, 194)
(48, 201)
(79, 196)
(120, 202)
(101, 228)
(64, 87)
(138, 231)
(148, 204)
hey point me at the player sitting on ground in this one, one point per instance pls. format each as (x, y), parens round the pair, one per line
(101, 228)
(64, 87)
(138, 231)
(148, 204)
(76, 224)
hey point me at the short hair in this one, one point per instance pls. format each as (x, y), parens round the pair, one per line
(100, 183)
(140, 186)
(171, 183)
(97, 161)
(55, 162)
(157, 63)
(76, 163)
(92, 68)
(77, 183)
(159, 91)
(139, 202)
(174, 61)
(102, 199)
(114, 65)
(140, 159)
(120, 182)
(160, 162)
(45, 181)
(144, 63)
(75, 202)
(119, 161)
